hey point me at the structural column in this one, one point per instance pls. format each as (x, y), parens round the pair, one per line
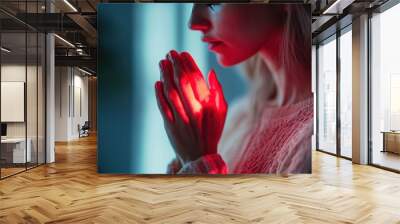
(50, 92)
(360, 90)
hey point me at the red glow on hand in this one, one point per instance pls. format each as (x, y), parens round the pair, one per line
(194, 111)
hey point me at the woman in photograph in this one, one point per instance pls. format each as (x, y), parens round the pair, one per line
(269, 129)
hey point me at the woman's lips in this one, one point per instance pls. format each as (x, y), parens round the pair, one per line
(213, 44)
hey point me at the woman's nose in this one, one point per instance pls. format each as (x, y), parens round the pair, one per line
(199, 20)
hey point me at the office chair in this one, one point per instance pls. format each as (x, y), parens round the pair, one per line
(84, 130)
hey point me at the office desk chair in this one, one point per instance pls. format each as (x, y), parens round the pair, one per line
(84, 130)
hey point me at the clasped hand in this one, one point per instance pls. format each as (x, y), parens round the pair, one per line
(194, 113)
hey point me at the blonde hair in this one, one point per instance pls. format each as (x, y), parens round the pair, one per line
(297, 36)
(295, 52)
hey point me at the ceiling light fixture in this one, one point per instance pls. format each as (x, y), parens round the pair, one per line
(70, 5)
(65, 41)
(84, 71)
(337, 7)
(5, 50)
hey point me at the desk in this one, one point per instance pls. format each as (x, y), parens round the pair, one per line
(15, 148)
(391, 141)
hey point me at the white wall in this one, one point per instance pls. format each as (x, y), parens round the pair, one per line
(62, 81)
(70, 83)
(17, 73)
(13, 100)
(14, 73)
(81, 84)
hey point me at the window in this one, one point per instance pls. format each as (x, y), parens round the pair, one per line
(385, 89)
(327, 96)
(346, 93)
(334, 99)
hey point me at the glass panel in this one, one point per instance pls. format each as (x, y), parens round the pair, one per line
(41, 98)
(346, 94)
(31, 100)
(22, 89)
(13, 87)
(327, 96)
(31, 88)
(385, 84)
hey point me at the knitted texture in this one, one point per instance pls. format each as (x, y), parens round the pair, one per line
(278, 143)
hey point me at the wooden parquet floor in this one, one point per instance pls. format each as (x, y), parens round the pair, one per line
(71, 191)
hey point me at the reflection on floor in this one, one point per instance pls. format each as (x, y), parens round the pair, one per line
(71, 191)
(346, 152)
(8, 170)
(386, 159)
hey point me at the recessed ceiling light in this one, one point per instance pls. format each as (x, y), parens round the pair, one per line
(65, 41)
(70, 5)
(84, 71)
(337, 7)
(5, 50)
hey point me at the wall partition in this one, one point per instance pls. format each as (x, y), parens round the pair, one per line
(22, 78)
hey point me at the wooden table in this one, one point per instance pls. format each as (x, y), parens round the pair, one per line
(391, 141)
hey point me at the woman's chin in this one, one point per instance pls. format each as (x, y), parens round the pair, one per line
(225, 62)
